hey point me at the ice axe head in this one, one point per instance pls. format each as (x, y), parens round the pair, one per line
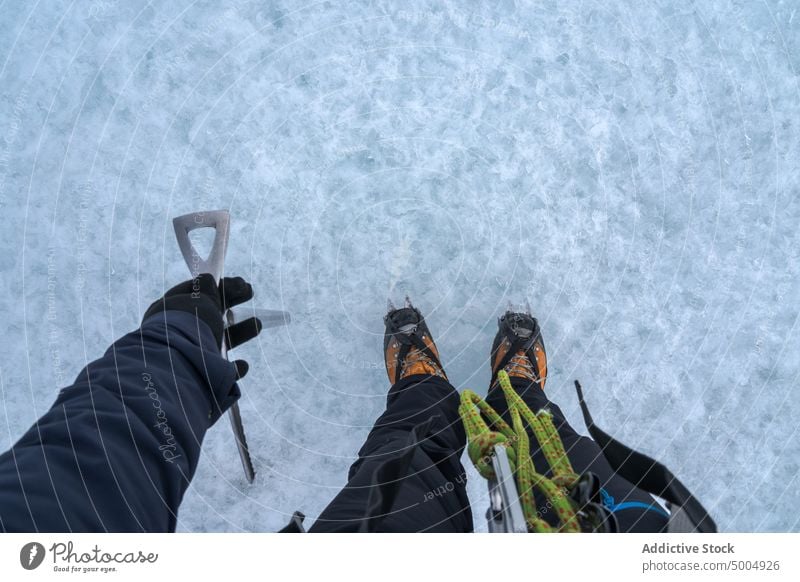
(214, 263)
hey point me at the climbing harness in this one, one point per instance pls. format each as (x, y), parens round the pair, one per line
(501, 454)
(686, 513)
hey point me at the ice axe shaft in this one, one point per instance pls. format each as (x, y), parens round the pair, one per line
(214, 264)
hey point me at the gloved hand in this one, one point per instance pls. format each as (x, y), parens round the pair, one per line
(208, 301)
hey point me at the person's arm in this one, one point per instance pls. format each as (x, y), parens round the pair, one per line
(119, 447)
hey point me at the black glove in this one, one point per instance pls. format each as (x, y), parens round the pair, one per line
(208, 301)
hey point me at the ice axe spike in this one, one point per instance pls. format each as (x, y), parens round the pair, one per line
(214, 264)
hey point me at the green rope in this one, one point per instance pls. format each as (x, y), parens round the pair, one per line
(478, 416)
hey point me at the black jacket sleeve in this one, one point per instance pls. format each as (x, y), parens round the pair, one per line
(119, 447)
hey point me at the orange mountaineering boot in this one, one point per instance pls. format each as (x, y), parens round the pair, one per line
(408, 346)
(518, 349)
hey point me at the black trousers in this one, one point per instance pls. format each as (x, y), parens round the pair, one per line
(409, 478)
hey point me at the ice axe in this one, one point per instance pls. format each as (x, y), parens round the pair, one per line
(214, 264)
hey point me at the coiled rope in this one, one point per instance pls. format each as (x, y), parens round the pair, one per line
(478, 417)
